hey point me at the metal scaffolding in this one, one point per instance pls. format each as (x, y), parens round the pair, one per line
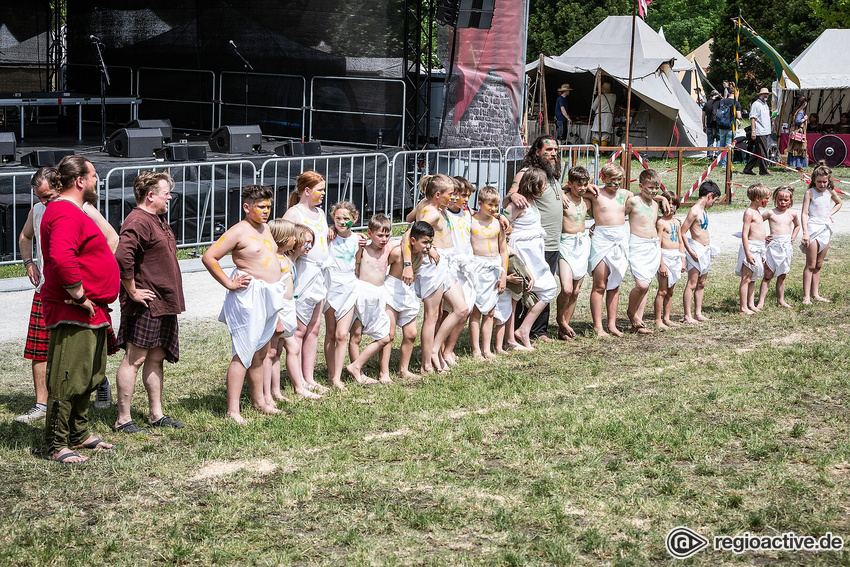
(418, 54)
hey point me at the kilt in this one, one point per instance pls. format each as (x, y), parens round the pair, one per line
(149, 332)
(38, 336)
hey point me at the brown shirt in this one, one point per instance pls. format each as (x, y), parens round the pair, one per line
(147, 253)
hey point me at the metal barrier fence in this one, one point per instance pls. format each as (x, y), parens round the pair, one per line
(362, 179)
(206, 199)
(584, 155)
(283, 99)
(16, 200)
(193, 102)
(334, 110)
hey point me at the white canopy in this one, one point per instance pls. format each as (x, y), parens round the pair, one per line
(606, 47)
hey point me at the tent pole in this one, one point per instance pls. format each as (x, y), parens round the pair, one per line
(543, 99)
(629, 93)
(599, 106)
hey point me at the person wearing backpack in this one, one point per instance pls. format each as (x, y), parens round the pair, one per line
(726, 114)
(708, 124)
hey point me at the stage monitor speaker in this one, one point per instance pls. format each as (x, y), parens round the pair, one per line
(290, 148)
(237, 139)
(164, 126)
(182, 152)
(44, 158)
(8, 147)
(312, 148)
(134, 142)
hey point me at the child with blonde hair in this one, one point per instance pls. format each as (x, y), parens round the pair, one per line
(820, 203)
(751, 252)
(784, 225)
(673, 263)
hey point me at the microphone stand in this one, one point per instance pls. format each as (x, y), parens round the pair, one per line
(247, 68)
(104, 81)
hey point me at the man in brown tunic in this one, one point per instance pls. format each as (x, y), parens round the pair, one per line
(151, 298)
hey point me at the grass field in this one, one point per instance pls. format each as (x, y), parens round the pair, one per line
(579, 453)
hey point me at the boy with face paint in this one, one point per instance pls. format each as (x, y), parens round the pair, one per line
(255, 296)
(573, 248)
(784, 225)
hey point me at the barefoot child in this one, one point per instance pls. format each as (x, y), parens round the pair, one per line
(342, 288)
(254, 299)
(820, 203)
(434, 283)
(460, 257)
(528, 242)
(490, 263)
(751, 252)
(784, 225)
(698, 251)
(402, 303)
(608, 247)
(283, 233)
(517, 285)
(644, 245)
(310, 285)
(574, 248)
(371, 305)
(672, 261)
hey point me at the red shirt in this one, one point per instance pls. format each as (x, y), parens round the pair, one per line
(75, 251)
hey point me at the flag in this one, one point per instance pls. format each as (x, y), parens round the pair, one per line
(642, 6)
(779, 64)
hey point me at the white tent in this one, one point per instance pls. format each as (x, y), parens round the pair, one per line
(824, 78)
(670, 115)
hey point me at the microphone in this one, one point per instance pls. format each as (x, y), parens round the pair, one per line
(233, 44)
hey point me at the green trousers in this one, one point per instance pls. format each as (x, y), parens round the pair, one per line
(76, 366)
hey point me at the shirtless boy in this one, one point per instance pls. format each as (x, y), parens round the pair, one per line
(751, 252)
(574, 248)
(490, 264)
(402, 303)
(434, 282)
(672, 261)
(254, 298)
(608, 247)
(644, 245)
(784, 227)
(698, 251)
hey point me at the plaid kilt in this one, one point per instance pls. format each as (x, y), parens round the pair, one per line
(38, 335)
(149, 332)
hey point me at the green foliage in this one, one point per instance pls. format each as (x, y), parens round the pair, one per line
(687, 23)
(833, 13)
(553, 27)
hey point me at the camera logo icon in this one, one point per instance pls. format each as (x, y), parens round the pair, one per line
(684, 542)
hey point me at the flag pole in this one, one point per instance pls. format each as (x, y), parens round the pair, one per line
(631, 68)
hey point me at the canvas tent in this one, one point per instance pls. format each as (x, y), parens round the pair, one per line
(666, 113)
(695, 80)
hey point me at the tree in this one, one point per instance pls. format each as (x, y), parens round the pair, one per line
(687, 23)
(553, 27)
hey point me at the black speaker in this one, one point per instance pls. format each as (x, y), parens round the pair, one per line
(182, 152)
(290, 148)
(475, 14)
(312, 148)
(134, 142)
(237, 139)
(447, 12)
(44, 158)
(164, 126)
(8, 146)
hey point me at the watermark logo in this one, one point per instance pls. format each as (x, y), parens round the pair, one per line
(684, 542)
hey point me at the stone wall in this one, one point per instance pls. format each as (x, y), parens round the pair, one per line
(488, 121)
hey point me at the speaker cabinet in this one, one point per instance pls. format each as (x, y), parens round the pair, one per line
(164, 126)
(293, 148)
(44, 158)
(312, 148)
(237, 139)
(134, 142)
(8, 147)
(182, 152)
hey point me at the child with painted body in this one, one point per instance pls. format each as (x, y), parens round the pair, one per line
(402, 303)
(254, 299)
(672, 264)
(527, 240)
(342, 288)
(698, 251)
(433, 281)
(283, 233)
(751, 252)
(460, 257)
(820, 203)
(371, 303)
(310, 286)
(608, 247)
(515, 287)
(784, 225)
(644, 245)
(489, 266)
(574, 248)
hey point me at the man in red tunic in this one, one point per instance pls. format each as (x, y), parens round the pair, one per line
(80, 280)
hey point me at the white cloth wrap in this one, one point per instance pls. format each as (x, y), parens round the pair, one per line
(611, 245)
(820, 231)
(704, 254)
(574, 249)
(310, 288)
(288, 318)
(371, 309)
(777, 257)
(757, 251)
(528, 246)
(460, 266)
(673, 260)
(487, 274)
(251, 315)
(644, 258)
(402, 299)
(341, 294)
(504, 308)
(430, 277)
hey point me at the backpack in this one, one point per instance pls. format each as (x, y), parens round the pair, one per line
(723, 114)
